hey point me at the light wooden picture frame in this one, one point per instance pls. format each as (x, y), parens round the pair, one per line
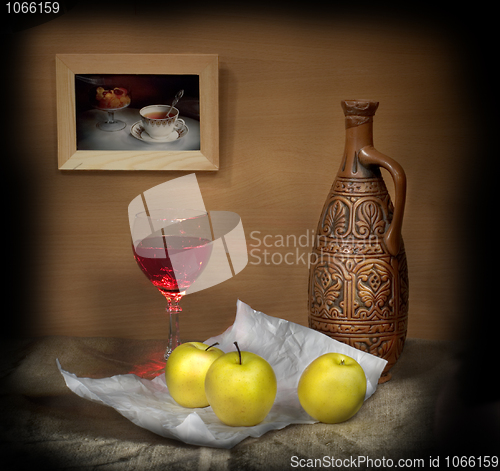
(72, 157)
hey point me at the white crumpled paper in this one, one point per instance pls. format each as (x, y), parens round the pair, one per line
(288, 347)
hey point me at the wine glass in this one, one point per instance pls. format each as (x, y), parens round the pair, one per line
(172, 247)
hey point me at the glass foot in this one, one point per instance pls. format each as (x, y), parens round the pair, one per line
(112, 126)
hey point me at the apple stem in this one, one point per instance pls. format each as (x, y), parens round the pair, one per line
(238, 348)
(342, 361)
(216, 343)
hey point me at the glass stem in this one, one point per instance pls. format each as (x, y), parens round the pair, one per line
(173, 310)
(111, 117)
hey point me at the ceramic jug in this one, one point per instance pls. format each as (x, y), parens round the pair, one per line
(358, 281)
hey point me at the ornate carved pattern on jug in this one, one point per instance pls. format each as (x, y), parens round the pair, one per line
(379, 346)
(338, 329)
(371, 217)
(350, 246)
(327, 292)
(375, 290)
(359, 186)
(348, 219)
(336, 222)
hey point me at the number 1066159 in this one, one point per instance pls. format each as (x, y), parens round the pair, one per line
(33, 7)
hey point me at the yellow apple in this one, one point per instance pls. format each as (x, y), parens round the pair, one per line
(332, 388)
(241, 388)
(185, 372)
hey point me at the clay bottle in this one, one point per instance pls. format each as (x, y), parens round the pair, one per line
(358, 285)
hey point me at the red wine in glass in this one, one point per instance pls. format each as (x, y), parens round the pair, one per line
(172, 263)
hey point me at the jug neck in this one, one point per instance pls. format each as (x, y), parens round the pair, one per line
(358, 134)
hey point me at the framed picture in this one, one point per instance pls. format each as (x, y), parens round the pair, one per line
(117, 111)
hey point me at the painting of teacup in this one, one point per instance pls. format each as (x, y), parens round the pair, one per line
(159, 120)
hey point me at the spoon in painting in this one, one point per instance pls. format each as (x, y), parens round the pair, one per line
(176, 99)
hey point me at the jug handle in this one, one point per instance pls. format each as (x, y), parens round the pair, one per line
(369, 155)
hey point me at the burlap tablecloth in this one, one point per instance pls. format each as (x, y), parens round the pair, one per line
(46, 426)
